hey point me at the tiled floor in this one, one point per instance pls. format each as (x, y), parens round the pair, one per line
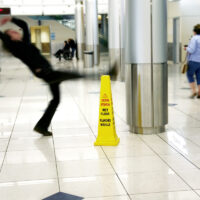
(142, 167)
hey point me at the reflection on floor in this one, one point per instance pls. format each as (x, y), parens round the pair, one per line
(151, 167)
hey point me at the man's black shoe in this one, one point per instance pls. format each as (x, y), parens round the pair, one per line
(113, 72)
(56, 55)
(42, 131)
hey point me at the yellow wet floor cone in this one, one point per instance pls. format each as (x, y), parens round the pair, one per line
(106, 128)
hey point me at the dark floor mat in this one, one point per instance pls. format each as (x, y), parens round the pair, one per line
(63, 196)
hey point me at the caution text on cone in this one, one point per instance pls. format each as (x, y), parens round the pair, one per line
(106, 128)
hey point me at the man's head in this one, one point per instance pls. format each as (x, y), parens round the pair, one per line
(197, 29)
(14, 35)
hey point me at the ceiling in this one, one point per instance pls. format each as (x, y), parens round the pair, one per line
(47, 7)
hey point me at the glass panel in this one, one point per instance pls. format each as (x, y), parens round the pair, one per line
(12, 2)
(26, 10)
(52, 2)
(34, 2)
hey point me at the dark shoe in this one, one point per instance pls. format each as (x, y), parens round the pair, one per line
(42, 131)
(198, 96)
(113, 73)
(56, 55)
(193, 95)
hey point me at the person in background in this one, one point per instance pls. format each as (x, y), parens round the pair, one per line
(20, 46)
(66, 49)
(193, 51)
(73, 46)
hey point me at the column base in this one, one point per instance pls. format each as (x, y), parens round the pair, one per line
(147, 97)
(147, 131)
(80, 48)
(95, 49)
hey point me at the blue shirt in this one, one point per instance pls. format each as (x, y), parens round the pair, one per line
(194, 49)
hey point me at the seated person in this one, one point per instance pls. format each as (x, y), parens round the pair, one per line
(66, 48)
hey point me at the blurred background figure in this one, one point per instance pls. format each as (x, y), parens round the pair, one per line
(65, 52)
(73, 46)
(193, 58)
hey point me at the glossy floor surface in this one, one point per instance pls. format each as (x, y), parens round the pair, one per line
(142, 167)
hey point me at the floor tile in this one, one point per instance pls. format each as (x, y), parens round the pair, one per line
(83, 168)
(128, 151)
(198, 192)
(26, 172)
(182, 195)
(158, 145)
(129, 139)
(138, 164)
(84, 153)
(23, 144)
(25, 134)
(70, 123)
(28, 190)
(74, 141)
(3, 144)
(30, 156)
(195, 139)
(181, 144)
(99, 186)
(192, 177)
(110, 198)
(188, 131)
(177, 162)
(5, 134)
(2, 155)
(62, 132)
(19, 127)
(151, 182)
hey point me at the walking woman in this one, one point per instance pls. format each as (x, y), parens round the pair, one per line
(21, 47)
(193, 51)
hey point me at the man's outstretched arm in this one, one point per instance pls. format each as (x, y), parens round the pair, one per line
(22, 24)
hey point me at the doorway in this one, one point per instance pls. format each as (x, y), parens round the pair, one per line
(40, 37)
(176, 40)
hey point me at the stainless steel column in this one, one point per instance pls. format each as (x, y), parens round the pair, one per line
(104, 26)
(80, 33)
(92, 33)
(176, 40)
(146, 72)
(116, 29)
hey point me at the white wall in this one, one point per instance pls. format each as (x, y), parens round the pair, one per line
(173, 12)
(190, 17)
(189, 13)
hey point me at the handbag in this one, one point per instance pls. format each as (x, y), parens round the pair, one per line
(185, 65)
(184, 68)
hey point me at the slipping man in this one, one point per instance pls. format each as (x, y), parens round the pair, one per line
(20, 46)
